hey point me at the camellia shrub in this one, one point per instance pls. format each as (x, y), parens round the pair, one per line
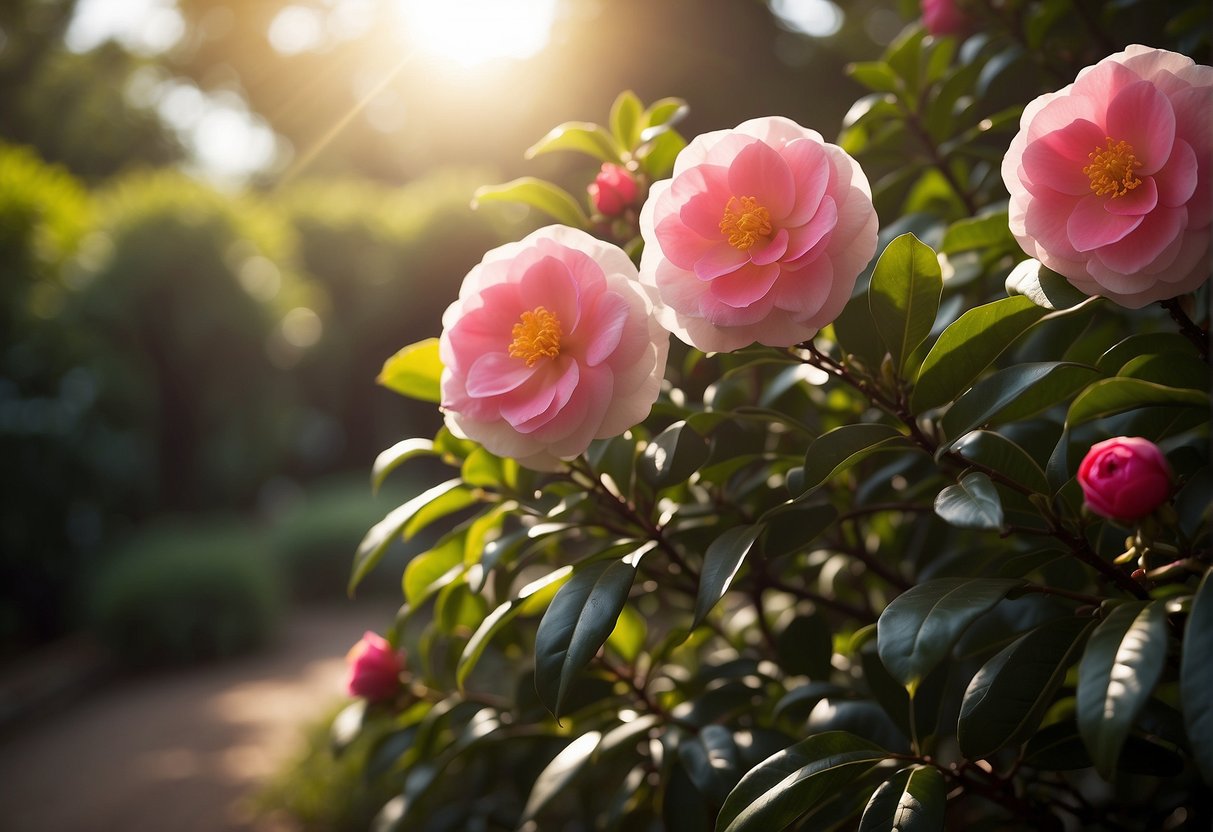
(907, 525)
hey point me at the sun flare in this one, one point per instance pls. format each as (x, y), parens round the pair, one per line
(471, 32)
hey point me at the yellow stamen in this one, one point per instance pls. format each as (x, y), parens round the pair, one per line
(536, 335)
(1111, 169)
(745, 222)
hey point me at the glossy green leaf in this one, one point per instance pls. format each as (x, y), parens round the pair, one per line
(414, 371)
(1148, 343)
(1119, 395)
(628, 637)
(919, 627)
(1121, 664)
(856, 333)
(1014, 393)
(913, 800)
(389, 460)
(483, 469)
(1196, 677)
(673, 455)
(559, 773)
(577, 623)
(904, 296)
(374, 544)
(720, 564)
(1172, 370)
(662, 115)
(430, 571)
(553, 201)
(658, 155)
(531, 599)
(1043, 286)
(968, 346)
(995, 451)
(792, 526)
(711, 761)
(839, 449)
(972, 503)
(443, 505)
(794, 782)
(984, 232)
(578, 136)
(626, 115)
(875, 75)
(1008, 697)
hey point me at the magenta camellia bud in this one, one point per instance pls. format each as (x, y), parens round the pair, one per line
(944, 17)
(374, 668)
(1124, 478)
(612, 190)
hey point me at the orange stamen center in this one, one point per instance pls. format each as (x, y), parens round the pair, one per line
(745, 222)
(1111, 169)
(536, 335)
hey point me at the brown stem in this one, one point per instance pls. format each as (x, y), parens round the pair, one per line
(1187, 327)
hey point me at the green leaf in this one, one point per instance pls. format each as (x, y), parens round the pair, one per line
(711, 761)
(658, 155)
(914, 800)
(839, 449)
(904, 296)
(1008, 697)
(720, 564)
(1119, 668)
(973, 503)
(1016, 392)
(443, 505)
(985, 232)
(532, 598)
(968, 346)
(875, 75)
(1119, 395)
(793, 525)
(796, 781)
(856, 333)
(554, 201)
(806, 647)
(626, 114)
(432, 570)
(414, 371)
(581, 137)
(370, 551)
(995, 451)
(1149, 343)
(577, 623)
(919, 627)
(1043, 286)
(673, 455)
(559, 773)
(661, 116)
(393, 457)
(628, 637)
(1196, 677)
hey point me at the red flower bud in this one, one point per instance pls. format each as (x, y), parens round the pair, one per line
(944, 17)
(612, 190)
(1124, 478)
(374, 668)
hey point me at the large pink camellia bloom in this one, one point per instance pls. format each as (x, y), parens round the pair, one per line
(758, 236)
(551, 344)
(1109, 177)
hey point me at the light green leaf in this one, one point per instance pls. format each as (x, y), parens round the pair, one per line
(720, 564)
(415, 371)
(626, 115)
(370, 551)
(553, 201)
(904, 296)
(443, 505)
(434, 569)
(393, 457)
(986, 232)
(973, 503)
(662, 115)
(919, 627)
(579, 136)
(627, 639)
(1119, 395)
(914, 800)
(1196, 677)
(1120, 666)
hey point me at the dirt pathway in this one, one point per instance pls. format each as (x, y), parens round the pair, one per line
(180, 751)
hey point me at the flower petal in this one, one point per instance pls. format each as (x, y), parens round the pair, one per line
(608, 319)
(1177, 181)
(1142, 116)
(1056, 159)
(773, 250)
(1091, 226)
(1148, 241)
(495, 373)
(760, 172)
(744, 286)
(1140, 200)
(720, 259)
(811, 169)
(681, 244)
(530, 409)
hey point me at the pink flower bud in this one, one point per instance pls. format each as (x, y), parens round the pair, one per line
(374, 668)
(943, 17)
(1124, 478)
(612, 190)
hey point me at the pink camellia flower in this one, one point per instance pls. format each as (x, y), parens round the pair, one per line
(1109, 177)
(944, 17)
(374, 668)
(758, 236)
(551, 344)
(612, 190)
(1124, 478)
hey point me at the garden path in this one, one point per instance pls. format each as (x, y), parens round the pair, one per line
(183, 750)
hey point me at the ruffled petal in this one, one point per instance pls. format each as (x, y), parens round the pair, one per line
(1056, 159)
(1140, 200)
(1091, 226)
(1138, 250)
(772, 251)
(607, 321)
(760, 172)
(1142, 116)
(811, 169)
(744, 286)
(496, 373)
(1177, 181)
(719, 260)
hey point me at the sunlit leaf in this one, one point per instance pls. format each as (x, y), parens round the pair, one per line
(553, 201)
(904, 296)
(579, 136)
(972, 503)
(414, 371)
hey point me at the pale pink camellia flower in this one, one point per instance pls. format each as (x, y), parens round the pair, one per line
(374, 668)
(1124, 478)
(613, 190)
(944, 17)
(758, 236)
(1110, 177)
(551, 344)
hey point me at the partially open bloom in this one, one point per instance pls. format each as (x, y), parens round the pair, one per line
(613, 190)
(551, 344)
(1109, 177)
(758, 236)
(374, 668)
(944, 17)
(1124, 478)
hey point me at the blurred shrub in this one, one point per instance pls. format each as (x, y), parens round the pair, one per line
(314, 539)
(187, 591)
(198, 316)
(390, 261)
